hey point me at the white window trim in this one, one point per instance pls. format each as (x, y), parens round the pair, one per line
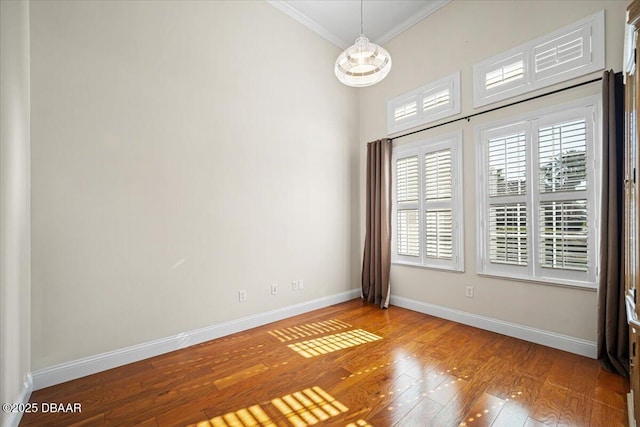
(420, 148)
(451, 82)
(533, 272)
(592, 25)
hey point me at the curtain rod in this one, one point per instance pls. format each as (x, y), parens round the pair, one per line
(467, 118)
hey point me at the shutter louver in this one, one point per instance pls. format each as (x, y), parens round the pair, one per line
(508, 234)
(507, 165)
(439, 234)
(562, 157)
(563, 235)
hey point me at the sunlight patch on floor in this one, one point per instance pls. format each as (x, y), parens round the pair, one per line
(302, 408)
(308, 330)
(331, 343)
(309, 406)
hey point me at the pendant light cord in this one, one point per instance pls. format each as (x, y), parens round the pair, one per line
(361, 25)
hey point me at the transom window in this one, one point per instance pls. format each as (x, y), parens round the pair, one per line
(428, 103)
(573, 51)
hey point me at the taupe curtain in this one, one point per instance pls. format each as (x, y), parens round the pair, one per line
(377, 244)
(613, 330)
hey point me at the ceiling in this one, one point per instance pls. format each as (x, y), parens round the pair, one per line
(338, 21)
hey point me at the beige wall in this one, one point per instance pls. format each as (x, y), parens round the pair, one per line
(454, 38)
(183, 151)
(15, 256)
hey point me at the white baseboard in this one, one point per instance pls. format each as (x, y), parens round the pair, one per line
(90, 365)
(538, 336)
(13, 419)
(630, 409)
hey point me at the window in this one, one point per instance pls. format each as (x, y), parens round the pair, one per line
(573, 51)
(537, 192)
(425, 104)
(427, 203)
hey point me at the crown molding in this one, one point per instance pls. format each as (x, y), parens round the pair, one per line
(411, 21)
(308, 22)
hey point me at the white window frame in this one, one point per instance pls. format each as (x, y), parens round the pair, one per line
(592, 59)
(588, 108)
(450, 83)
(452, 141)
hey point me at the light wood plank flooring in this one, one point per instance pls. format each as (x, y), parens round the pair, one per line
(350, 365)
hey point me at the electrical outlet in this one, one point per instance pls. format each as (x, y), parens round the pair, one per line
(242, 296)
(468, 291)
(294, 285)
(274, 289)
(300, 284)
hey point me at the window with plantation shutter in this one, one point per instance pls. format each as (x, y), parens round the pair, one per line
(573, 51)
(425, 104)
(427, 203)
(537, 192)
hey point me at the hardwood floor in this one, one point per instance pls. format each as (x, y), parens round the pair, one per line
(350, 365)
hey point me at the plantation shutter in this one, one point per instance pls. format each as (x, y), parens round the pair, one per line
(562, 157)
(438, 183)
(424, 104)
(507, 157)
(563, 219)
(508, 234)
(562, 54)
(563, 235)
(572, 51)
(407, 198)
(405, 111)
(504, 75)
(507, 165)
(432, 102)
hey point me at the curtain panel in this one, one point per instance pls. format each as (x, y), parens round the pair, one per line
(376, 263)
(613, 330)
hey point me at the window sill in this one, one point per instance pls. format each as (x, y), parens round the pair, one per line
(563, 283)
(429, 267)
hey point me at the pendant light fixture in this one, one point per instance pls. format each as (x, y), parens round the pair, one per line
(364, 63)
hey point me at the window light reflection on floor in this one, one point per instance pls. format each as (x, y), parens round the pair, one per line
(331, 343)
(254, 416)
(302, 408)
(359, 423)
(308, 330)
(309, 407)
